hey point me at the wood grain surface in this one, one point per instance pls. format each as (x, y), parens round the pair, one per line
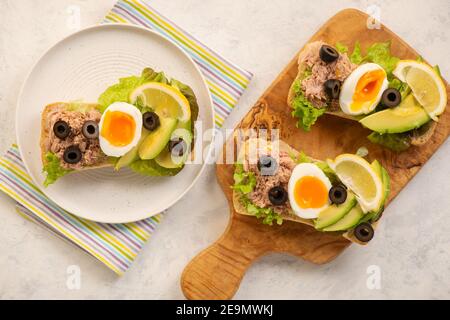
(217, 271)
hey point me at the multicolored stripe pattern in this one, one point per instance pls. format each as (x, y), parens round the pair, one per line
(225, 80)
(117, 245)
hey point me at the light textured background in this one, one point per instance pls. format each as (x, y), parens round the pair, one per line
(411, 247)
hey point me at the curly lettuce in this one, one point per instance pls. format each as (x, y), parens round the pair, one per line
(190, 96)
(244, 183)
(304, 110)
(301, 157)
(121, 91)
(151, 168)
(379, 52)
(402, 87)
(267, 215)
(341, 48)
(53, 169)
(356, 57)
(397, 142)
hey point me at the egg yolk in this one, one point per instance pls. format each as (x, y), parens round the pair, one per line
(118, 128)
(367, 88)
(310, 192)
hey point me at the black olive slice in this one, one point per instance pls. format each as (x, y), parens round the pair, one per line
(267, 166)
(338, 194)
(332, 88)
(278, 196)
(328, 54)
(364, 232)
(61, 129)
(150, 121)
(391, 98)
(72, 155)
(177, 147)
(90, 129)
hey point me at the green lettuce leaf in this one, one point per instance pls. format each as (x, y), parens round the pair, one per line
(244, 183)
(402, 87)
(397, 142)
(323, 165)
(380, 53)
(53, 169)
(306, 73)
(151, 168)
(267, 215)
(121, 91)
(341, 48)
(302, 158)
(190, 96)
(438, 70)
(304, 110)
(78, 105)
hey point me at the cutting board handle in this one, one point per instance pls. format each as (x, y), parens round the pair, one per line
(216, 272)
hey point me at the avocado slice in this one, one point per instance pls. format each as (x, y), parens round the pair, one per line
(350, 220)
(166, 159)
(386, 183)
(155, 142)
(334, 213)
(133, 154)
(376, 165)
(385, 179)
(407, 116)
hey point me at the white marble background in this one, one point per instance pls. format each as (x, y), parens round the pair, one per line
(411, 248)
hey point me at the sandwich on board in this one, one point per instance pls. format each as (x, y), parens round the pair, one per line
(400, 101)
(274, 182)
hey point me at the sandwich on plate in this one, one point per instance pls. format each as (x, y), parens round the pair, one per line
(400, 101)
(274, 182)
(143, 122)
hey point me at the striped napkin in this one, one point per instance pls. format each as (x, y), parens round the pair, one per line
(117, 245)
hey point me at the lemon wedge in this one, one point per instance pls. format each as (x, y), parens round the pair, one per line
(426, 85)
(165, 100)
(359, 176)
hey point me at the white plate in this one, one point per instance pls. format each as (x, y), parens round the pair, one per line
(82, 66)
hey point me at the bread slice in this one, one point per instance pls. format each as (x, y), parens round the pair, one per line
(240, 209)
(46, 129)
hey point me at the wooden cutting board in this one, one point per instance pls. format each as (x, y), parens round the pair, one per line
(217, 271)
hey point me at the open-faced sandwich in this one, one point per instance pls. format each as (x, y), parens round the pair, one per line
(144, 122)
(400, 101)
(274, 182)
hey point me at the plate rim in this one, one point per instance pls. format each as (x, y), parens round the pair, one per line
(163, 38)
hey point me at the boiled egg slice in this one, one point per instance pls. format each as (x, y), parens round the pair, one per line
(308, 190)
(362, 90)
(120, 128)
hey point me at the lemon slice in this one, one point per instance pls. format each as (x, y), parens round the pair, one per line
(165, 100)
(359, 176)
(426, 85)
